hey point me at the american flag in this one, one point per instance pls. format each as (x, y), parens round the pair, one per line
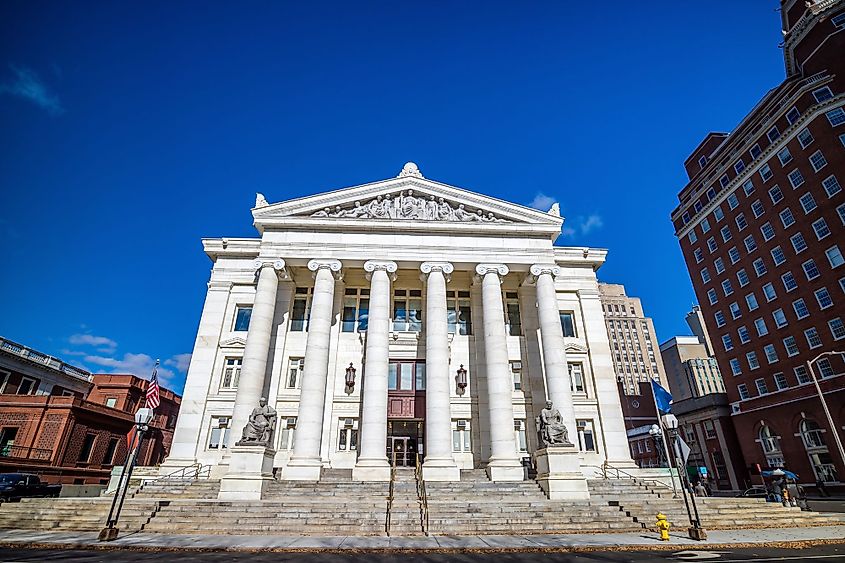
(153, 398)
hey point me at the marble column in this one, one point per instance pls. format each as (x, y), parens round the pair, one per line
(504, 463)
(372, 464)
(558, 390)
(439, 462)
(254, 366)
(305, 461)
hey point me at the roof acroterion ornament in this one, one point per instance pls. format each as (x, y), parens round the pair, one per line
(410, 169)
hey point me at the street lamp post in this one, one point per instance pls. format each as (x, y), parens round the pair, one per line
(142, 421)
(696, 532)
(833, 428)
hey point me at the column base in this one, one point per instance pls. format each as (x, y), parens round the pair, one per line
(302, 470)
(505, 470)
(250, 473)
(440, 470)
(559, 473)
(371, 470)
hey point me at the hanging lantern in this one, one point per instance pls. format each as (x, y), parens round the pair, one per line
(350, 376)
(462, 377)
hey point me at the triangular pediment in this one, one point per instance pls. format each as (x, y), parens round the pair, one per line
(408, 198)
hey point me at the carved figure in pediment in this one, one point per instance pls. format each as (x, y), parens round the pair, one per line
(322, 213)
(411, 206)
(377, 208)
(358, 211)
(444, 211)
(430, 210)
(462, 214)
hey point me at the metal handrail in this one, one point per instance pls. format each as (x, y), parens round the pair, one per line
(422, 494)
(619, 473)
(193, 472)
(390, 494)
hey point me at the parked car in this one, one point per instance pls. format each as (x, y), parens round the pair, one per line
(15, 486)
(754, 492)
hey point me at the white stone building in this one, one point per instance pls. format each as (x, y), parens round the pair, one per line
(408, 281)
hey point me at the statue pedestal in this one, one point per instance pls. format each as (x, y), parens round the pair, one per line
(250, 471)
(302, 470)
(559, 473)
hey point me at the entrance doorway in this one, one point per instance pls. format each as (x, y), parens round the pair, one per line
(404, 442)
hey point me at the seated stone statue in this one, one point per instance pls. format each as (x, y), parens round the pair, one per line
(551, 427)
(259, 430)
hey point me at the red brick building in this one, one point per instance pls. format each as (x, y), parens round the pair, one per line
(71, 426)
(760, 224)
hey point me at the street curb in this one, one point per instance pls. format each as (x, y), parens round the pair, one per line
(797, 544)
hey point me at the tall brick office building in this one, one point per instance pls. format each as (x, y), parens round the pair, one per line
(760, 224)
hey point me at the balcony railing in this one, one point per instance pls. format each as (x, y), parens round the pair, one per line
(23, 452)
(38, 357)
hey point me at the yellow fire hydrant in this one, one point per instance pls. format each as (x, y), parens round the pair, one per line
(663, 526)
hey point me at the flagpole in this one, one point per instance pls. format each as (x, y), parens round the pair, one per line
(665, 441)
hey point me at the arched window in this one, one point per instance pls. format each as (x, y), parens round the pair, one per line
(771, 446)
(813, 437)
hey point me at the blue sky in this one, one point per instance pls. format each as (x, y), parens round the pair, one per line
(128, 132)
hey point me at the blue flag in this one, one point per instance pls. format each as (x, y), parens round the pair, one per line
(662, 397)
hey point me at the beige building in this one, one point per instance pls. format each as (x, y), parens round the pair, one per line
(692, 372)
(632, 339)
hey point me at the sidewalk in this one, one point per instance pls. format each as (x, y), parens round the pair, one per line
(568, 542)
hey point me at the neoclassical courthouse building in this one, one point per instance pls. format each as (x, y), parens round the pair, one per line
(400, 318)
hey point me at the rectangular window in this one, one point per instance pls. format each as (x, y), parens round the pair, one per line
(759, 267)
(711, 194)
(108, 457)
(296, 366)
(28, 386)
(218, 434)
(735, 312)
(733, 254)
(760, 325)
(796, 178)
(459, 312)
(720, 265)
(576, 377)
(733, 202)
(837, 329)
(87, 448)
(699, 255)
(111, 401)
(792, 115)
(838, 21)
(727, 342)
(288, 433)
(356, 309)
(513, 318)
(762, 389)
(779, 317)
(744, 335)
(778, 256)
(825, 369)
(755, 152)
(808, 202)
(743, 391)
(836, 117)
(786, 218)
(775, 194)
(718, 214)
(801, 374)
(586, 435)
(800, 308)
(769, 292)
(407, 310)
(702, 162)
(823, 297)
(726, 233)
(719, 316)
(748, 187)
(705, 277)
(516, 374)
(798, 243)
(810, 269)
(724, 181)
(242, 316)
(753, 363)
(818, 161)
(822, 94)
(705, 225)
(739, 166)
(757, 208)
(736, 369)
(821, 229)
(805, 138)
(741, 223)
(784, 156)
(773, 134)
(791, 346)
(727, 287)
(771, 353)
(231, 373)
(751, 301)
(301, 309)
(711, 244)
(461, 436)
(789, 282)
(831, 186)
(691, 236)
(567, 321)
(347, 435)
(834, 256)
(812, 336)
(750, 243)
(712, 296)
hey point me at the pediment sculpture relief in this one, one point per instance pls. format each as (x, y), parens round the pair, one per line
(407, 205)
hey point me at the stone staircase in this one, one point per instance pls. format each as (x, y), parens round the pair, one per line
(641, 502)
(73, 514)
(172, 489)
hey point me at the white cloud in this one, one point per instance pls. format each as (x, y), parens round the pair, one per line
(180, 362)
(106, 345)
(590, 223)
(27, 85)
(136, 364)
(582, 225)
(542, 202)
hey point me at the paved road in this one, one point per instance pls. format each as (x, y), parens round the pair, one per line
(827, 505)
(819, 554)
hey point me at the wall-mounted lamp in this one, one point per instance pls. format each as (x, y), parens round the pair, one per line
(350, 376)
(462, 378)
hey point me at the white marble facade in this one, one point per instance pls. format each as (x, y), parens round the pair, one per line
(488, 288)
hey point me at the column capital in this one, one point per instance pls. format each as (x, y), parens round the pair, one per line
(329, 264)
(500, 269)
(538, 270)
(277, 264)
(388, 266)
(445, 267)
